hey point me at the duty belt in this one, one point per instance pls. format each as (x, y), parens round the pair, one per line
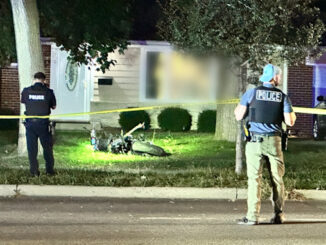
(256, 137)
(36, 119)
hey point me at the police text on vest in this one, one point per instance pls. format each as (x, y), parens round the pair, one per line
(36, 97)
(266, 95)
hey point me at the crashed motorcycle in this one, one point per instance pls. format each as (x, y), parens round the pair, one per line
(125, 143)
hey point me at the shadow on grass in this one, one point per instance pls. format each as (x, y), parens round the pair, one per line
(8, 137)
(308, 146)
(222, 178)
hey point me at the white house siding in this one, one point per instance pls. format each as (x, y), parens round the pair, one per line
(125, 76)
(124, 92)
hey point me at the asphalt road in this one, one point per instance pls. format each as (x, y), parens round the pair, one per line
(137, 221)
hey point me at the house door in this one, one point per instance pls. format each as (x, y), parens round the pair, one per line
(72, 85)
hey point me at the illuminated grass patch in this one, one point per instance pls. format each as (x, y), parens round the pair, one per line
(187, 150)
(197, 160)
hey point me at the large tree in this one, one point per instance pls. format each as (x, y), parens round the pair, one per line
(28, 46)
(89, 30)
(250, 32)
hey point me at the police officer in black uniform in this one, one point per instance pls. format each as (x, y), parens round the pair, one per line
(39, 100)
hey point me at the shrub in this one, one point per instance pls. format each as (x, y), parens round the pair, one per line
(8, 124)
(207, 121)
(174, 119)
(130, 119)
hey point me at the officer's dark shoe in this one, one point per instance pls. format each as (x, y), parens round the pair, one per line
(51, 174)
(245, 221)
(37, 174)
(278, 219)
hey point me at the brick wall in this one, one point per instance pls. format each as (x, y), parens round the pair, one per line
(300, 80)
(9, 89)
(47, 61)
(9, 85)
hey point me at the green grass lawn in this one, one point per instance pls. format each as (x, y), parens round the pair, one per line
(197, 160)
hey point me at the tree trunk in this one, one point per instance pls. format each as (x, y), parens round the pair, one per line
(29, 52)
(231, 85)
(239, 148)
(226, 125)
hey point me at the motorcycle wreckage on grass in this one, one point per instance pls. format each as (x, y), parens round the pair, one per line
(125, 143)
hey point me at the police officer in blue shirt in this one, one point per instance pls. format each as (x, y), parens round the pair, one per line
(39, 100)
(267, 108)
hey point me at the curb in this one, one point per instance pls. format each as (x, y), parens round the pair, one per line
(123, 192)
(314, 194)
(138, 192)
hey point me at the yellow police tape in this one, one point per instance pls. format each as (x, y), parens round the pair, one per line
(305, 110)
(222, 102)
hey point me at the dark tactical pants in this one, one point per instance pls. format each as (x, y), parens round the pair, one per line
(39, 129)
(269, 151)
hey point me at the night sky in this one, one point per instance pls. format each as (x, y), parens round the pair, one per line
(146, 14)
(322, 5)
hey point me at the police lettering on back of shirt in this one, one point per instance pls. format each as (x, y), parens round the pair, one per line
(36, 97)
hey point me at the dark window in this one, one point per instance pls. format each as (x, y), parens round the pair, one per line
(151, 79)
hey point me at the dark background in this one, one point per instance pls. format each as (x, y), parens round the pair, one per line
(148, 12)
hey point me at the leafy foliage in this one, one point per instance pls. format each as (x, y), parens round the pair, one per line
(207, 121)
(174, 119)
(7, 37)
(253, 30)
(130, 119)
(88, 29)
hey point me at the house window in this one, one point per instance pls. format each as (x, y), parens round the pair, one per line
(152, 80)
(172, 76)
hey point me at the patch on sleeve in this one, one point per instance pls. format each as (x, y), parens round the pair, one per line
(265, 95)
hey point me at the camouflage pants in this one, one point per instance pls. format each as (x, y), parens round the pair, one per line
(269, 150)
